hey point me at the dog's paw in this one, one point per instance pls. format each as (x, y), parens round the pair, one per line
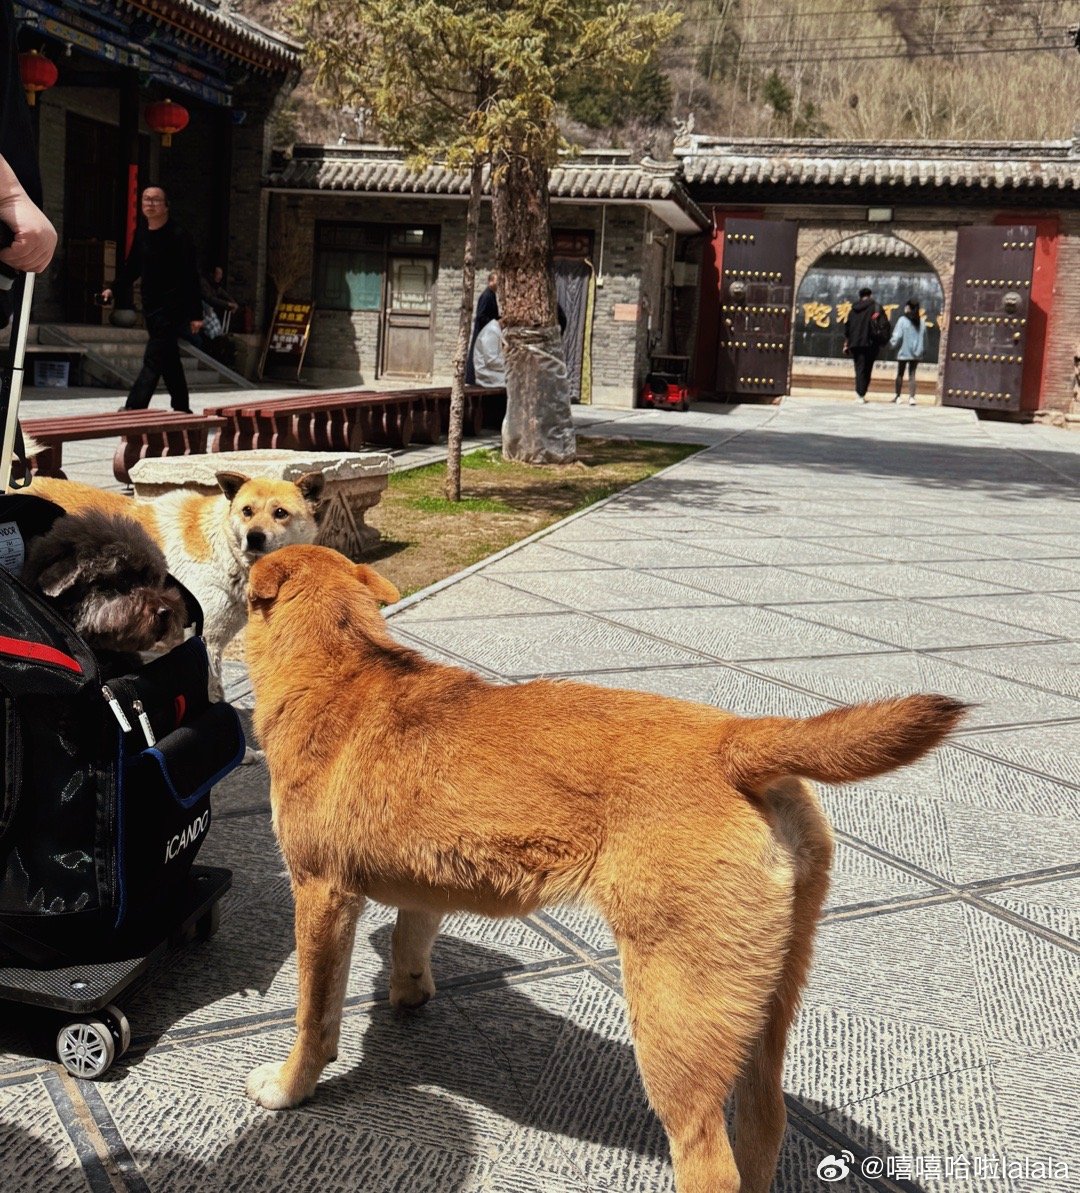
(409, 991)
(252, 756)
(267, 1087)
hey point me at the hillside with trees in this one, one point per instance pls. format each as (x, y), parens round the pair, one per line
(863, 70)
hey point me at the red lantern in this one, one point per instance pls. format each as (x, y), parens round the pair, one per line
(38, 73)
(166, 117)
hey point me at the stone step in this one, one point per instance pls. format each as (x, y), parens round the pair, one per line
(882, 381)
(93, 335)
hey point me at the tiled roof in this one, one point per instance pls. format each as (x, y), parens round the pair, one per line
(874, 244)
(987, 165)
(215, 22)
(607, 175)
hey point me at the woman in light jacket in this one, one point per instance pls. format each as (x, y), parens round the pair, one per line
(910, 336)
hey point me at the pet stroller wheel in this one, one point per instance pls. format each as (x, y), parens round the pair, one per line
(117, 1023)
(86, 1048)
(208, 924)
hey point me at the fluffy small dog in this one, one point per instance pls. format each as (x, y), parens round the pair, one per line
(107, 578)
(693, 831)
(211, 541)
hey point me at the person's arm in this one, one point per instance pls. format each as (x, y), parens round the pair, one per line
(898, 332)
(34, 236)
(127, 275)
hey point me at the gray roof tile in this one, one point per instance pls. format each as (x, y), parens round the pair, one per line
(987, 165)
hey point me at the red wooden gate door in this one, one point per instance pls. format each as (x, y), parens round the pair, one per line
(988, 326)
(757, 288)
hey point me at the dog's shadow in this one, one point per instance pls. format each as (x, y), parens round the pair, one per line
(505, 1048)
(507, 1043)
(503, 1073)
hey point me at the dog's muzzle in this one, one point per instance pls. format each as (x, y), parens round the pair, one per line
(255, 542)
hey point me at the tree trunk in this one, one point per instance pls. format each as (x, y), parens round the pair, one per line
(538, 428)
(457, 387)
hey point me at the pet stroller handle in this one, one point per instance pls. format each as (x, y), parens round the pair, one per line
(11, 387)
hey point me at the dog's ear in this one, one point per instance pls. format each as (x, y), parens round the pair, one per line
(266, 578)
(379, 587)
(59, 576)
(231, 482)
(311, 486)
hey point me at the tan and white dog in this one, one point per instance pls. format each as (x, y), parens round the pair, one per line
(211, 541)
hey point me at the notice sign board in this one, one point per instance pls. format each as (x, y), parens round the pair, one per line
(289, 332)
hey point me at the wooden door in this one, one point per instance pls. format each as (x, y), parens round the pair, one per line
(988, 324)
(757, 289)
(408, 317)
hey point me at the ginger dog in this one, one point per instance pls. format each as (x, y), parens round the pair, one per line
(693, 831)
(210, 541)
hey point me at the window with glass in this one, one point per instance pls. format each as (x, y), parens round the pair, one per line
(349, 264)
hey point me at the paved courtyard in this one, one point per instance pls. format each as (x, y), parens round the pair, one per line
(814, 554)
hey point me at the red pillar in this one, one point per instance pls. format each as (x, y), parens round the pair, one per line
(1042, 302)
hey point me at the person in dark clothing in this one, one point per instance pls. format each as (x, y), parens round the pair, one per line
(487, 308)
(20, 181)
(214, 294)
(163, 255)
(862, 339)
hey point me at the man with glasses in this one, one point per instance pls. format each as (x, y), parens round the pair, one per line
(163, 255)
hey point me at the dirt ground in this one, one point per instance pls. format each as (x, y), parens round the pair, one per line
(427, 538)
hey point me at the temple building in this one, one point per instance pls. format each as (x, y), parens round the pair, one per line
(132, 92)
(734, 263)
(739, 259)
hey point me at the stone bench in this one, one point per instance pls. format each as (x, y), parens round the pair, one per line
(354, 483)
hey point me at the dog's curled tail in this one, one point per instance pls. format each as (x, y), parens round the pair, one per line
(842, 745)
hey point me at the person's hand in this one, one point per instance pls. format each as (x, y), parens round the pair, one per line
(847, 350)
(234, 306)
(35, 237)
(106, 296)
(196, 326)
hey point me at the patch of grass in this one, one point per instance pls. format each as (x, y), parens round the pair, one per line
(427, 538)
(488, 457)
(467, 505)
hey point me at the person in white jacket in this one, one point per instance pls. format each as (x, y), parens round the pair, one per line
(489, 363)
(909, 335)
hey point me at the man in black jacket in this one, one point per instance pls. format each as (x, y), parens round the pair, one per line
(163, 255)
(863, 331)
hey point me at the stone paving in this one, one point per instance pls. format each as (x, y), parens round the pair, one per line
(814, 554)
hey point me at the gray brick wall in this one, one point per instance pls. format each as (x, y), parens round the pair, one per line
(344, 342)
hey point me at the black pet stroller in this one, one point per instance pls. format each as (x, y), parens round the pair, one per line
(105, 800)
